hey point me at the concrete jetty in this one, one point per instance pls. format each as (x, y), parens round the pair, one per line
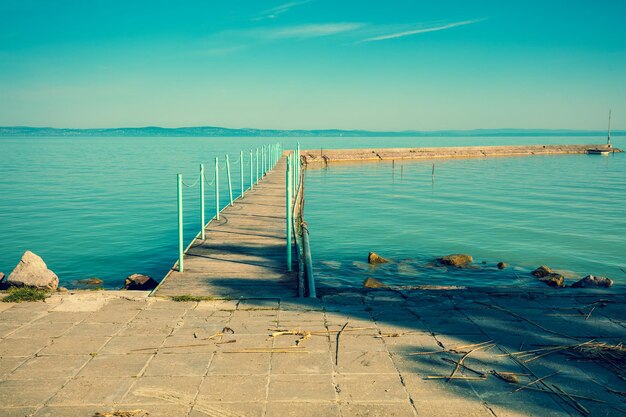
(323, 156)
(244, 251)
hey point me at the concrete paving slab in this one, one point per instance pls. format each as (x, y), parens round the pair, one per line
(92, 390)
(133, 344)
(180, 390)
(301, 388)
(356, 409)
(106, 366)
(17, 393)
(310, 363)
(240, 363)
(50, 367)
(179, 364)
(302, 409)
(232, 388)
(23, 346)
(371, 387)
(75, 345)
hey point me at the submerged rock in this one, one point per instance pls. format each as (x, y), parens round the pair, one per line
(373, 258)
(140, 282)
(542, 271)
(1, 276)
(90, 281)
(457, 260)
(373, 283)
(32, 271)
(554, 280)
(502, 265)
(593, 281)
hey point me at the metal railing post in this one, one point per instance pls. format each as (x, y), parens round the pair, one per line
(298, 167)
(217, 189)
(257, 165)
(202, 224)
(263, 161)
(230, 184)
(288, 208)
(241, 171)
(179, 194)
(251, 181)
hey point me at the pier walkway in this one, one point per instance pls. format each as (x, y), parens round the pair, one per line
(243, 254)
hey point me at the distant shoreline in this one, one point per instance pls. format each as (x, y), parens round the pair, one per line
(211, 131)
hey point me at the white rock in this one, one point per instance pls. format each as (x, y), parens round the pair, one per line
(32, 271)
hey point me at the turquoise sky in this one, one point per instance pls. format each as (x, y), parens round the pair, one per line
(389, 65)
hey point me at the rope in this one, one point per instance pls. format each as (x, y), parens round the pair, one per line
(209, 183)
(192, 185)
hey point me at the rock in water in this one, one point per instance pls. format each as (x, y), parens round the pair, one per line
(542, 271)
(554, 280)
(593, 281)
(140, 282)
(373, 283)
(373, 258)
(32, 271)
(502, 265)
(1, 276)
(90, 281)
(457, 260)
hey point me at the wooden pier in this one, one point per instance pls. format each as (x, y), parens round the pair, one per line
(244, 253)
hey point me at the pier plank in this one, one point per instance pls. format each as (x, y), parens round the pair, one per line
(244, 253)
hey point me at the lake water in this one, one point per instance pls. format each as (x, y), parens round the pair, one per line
(106, 208)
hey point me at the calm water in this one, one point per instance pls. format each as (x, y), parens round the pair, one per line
(106, 207)
(567, 212)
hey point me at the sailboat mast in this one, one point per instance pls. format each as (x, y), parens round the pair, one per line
(608, 140)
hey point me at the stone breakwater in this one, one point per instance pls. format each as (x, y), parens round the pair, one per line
(324, 156)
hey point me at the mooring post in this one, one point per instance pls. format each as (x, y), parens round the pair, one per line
(298, 165)
(217, 188)
(241, 171)
(262, 161)
(230, 184)
(288, 208)
(179, 194)
(251, 182)
(257, 165)
(202, 234)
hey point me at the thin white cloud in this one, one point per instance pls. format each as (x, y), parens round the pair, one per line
(421, 30)
(311, 30)
(274, 12)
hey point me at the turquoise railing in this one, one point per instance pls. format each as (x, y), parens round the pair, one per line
(270, 155)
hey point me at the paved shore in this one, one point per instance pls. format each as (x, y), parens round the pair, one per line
(324, 156)
(97, 352)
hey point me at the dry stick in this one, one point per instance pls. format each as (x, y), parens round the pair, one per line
(482, 374)
(535, 381)
(469, 378)
(550, 390)
(460, 362)
(578, 405)
(571, 395)
(453, 349)
(497, 307)
(590, 311)
(337, 344)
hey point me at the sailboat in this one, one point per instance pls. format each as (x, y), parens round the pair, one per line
(606, 150)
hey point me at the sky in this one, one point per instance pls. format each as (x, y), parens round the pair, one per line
(313, 64)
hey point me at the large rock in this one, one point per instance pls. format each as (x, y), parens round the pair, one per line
(140, 282)
(542, 271)
(32, 271)
(1, 276)
(502, 265)
(373, 258)
(593, 281)
(373, 283)
(554, 280)
(457, 260)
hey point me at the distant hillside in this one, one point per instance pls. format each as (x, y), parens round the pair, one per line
(211, 131)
